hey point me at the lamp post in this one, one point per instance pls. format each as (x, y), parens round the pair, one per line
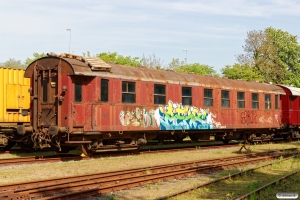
(68, 29)
(185, 55)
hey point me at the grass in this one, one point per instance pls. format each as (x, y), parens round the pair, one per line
(25, 173)
(234, 188)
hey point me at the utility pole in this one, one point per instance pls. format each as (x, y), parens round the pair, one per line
(68, 29)
(185, 56)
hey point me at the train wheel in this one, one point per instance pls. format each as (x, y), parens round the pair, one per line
(9, 145)
(286, 136)
(25, 146)
(193, 138)
(86, 150)
(177, 138)
(63, 149)
(225, 141)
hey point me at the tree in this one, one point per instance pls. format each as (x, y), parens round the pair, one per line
(287, 57)
(13, 63)
(274, 54)
(35, 57)
(152, 62)
(175, 63)
(244, 72)
(197, 68)
(119, 59)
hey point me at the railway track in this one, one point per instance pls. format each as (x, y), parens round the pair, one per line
(102, 183)
(152, 145)
(257, 191)
(21, 151)
(77, 157)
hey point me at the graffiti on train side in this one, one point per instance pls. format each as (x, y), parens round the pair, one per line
(173, 116)
(276, 117)
(138, 117)
(264, 119)
(248, 117)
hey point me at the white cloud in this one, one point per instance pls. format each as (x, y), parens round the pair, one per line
(164, 26)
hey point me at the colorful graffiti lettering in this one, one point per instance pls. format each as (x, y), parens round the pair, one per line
(248, 117)
(173, 116)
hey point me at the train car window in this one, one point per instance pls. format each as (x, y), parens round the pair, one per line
(78, 90)
(276, 102)
(104, 90)
(255, 103)
(45, 89)
(128, 92)
(186, 96)
(208, 97)
(241, 99)
(267, 101)
(159, 94)
(225, 100)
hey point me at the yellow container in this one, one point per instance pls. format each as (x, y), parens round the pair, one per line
(14, 96)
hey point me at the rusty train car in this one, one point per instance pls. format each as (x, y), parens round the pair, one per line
(14, 106)
(83, 102)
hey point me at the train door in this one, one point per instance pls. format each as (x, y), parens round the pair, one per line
(47, 91)
(78, 105)
(293, 111)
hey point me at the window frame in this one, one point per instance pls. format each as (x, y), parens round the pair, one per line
(240, 100)
(159, 98)
(45, 82)
(268, 104)
(208, 100)
(185, 97)
(256, 102)
(104, 97)
(224, 99)
(127, 93)
(277, 101)
(78, 90)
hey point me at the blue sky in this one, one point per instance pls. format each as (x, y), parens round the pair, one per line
(212, 32)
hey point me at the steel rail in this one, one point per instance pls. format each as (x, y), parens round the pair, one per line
(106, 183)
(258, 190)
(75, 157)
(221, 179)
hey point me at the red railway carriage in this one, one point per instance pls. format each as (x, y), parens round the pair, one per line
(85, 102)
(290, 112)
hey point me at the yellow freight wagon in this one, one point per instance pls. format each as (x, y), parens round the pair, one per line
(14, 101)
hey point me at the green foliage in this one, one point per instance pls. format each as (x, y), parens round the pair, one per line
(35, 57)
(287, 55)
(197, 68)
(244, 72)
(119, 59)
(175, 63)
(275, 55)
(13, 63)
